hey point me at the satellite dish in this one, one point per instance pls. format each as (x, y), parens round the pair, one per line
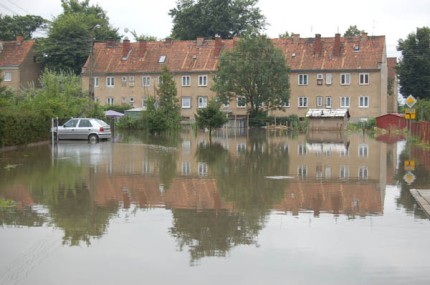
(125, 30)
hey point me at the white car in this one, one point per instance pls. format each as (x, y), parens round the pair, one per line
(89, 129)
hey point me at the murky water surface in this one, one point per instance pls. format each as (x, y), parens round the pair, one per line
(250, 208)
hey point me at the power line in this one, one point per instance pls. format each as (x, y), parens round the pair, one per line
(25, 11)
(4, 7)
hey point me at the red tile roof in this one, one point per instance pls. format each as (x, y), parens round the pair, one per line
(13, 54)
(333, 53)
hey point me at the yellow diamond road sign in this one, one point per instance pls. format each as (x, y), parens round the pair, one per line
(410, 101)
(409, 177)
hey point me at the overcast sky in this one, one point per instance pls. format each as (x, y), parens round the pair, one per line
(393, 18)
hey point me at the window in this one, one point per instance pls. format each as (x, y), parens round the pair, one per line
(363, 102)
(301, 149)
(328, 78)
(186, 102)
(318, 172)
(364, 79)
(327, 172)
(241, 148)
(131, 99)
(363, 150)
(110, 81)
(345, 79)
(203, 80)
(202, 102)
(144, 99)
(344, 102)
(186, 80)
(302, 171)
(363, 172)
(344, 172)
(131, 78)
(319, 101)
(96, 81)
(185, 168)
(84, 123)
(146, 81)
(328, 102)
(303, 79)
(162, 59)
(109, 101)
(320, 79)
(303, 102)
(285, 104)
(7, 76)
(146, 167)
(202, 169)
(123, 81)
(186, 147)
(241, 102)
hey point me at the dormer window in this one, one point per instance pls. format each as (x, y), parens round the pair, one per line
(162, 59)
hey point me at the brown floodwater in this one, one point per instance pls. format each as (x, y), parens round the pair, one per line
(251, 207)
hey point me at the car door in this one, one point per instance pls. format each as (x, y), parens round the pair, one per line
(84, 129)
(68, 130)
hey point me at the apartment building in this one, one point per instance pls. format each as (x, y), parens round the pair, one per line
(334, 72)
(18, 67)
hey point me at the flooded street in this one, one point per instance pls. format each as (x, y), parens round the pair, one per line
(257, 207)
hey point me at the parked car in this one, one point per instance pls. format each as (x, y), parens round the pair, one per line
(89, 129)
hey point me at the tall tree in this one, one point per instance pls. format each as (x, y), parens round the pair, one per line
(163, 114)
(254, 72)
(13, 26)
(353, 31)
(413, 68)
(210, 18)
(71, 35)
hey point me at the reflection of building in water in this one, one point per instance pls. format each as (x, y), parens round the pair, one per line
(344, 177)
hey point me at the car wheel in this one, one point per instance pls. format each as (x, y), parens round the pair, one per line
(93, 138)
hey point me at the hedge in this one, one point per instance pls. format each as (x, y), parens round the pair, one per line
(23, 127)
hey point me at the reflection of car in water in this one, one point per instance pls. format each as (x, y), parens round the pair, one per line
(89, 129)
(83, 153)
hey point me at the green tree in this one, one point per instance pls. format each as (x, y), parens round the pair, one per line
(6, 94)
(211, 117)
(255, 72)
(13, 26)
(164, 114)
(285, 35)
(413, 68)
(142, 37)
(353, 31)
(210, 18)
(71, 35)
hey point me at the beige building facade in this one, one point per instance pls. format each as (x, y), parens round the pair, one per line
(335, 72)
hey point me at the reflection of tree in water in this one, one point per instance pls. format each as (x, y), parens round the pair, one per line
(241, 181)
(77, 214)
(422, 180)
(13, 216)
(212, 233)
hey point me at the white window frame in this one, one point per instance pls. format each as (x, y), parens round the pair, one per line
(329, 79)
(185, 168)
(110, 100)
(364, 78)
(146, 81)
(302, 102)
(345, 79)
(363, 173)
(203, 80)
(345, 102)
(238, 100)
(186, 80)
(7, 76)
(302, 171)
(302, 149)
(110, 81)
(186, 102)
(344, 172)
(202, 168)
(131, 78)
(96, 82)
(202, 102)
(363, 150)
(363, 102)
(303, 79)
(328, 102)
(319, 101)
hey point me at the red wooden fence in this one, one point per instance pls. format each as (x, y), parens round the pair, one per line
(421, 130)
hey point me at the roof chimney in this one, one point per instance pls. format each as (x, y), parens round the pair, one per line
(363, 37)
(142, 48)
(296, 38)
(336, 47)
(126, 48)
(200, 41)
(317, 44)
(218, 45)
(19, 40)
